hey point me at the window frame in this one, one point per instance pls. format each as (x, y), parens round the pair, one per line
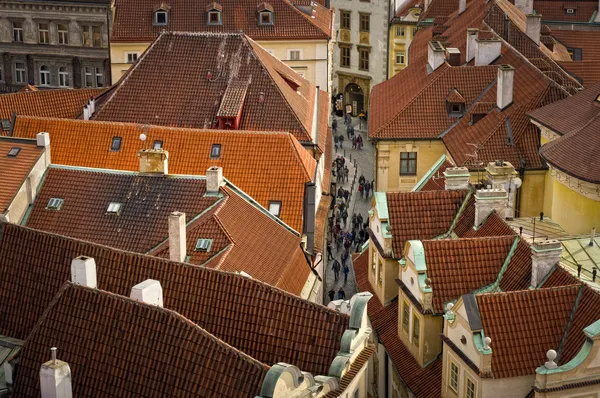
(18, 30)
(44, 75)
(114, 208)
(162, 12)
(157, 144)
(363, 62)
(453, 386)
(131, 54)
(23, 72)
(63, 35)
(416, 330)
(85, 76)
(198, 247)
(46, 33)
(275, 203)
(214, 12)
(58, 204)
(99, 76)
(294, 50)
(400, 31)
(473, 391)
(261, 14)
(364, 22)
(14, 152)
(345, 52)
(116, 143)
(218, 148)
(408, 158)
(405, 316)
(402, 55)
(63, 73)
(345, 19)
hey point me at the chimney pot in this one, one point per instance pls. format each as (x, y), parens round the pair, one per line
(214, 180)
(504, 91)
(177, 237)
(149, 292)
(544, 255)
(453, 56)
(533, 27)
(43, 140)
(154, 162)
(488, 200)
(435, 55)
(472, 35)
(487, 50)
(55, 378)
(83, 271)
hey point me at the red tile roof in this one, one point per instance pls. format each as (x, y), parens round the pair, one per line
(133, 20)
(586, 313)
(421, 215)
(586, 71)
(437, 181)
(556, 10)
(406, 7)
(587, 40)
(385, 322)
(158, 89)
(440, 8)
(67, 103)
(15, 169)
(285, 166)
(141, 343)
(262, 321)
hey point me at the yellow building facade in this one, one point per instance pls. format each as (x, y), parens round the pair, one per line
(403, 28)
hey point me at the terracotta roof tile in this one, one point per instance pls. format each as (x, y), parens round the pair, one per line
(440, 8)
(587, 40)
(255, 318)
(67, 103)
(134, 20)
(560, 277)
(586, 71)
(587, 312)
(140, 341)
(421, 215)
(15, 169)
(556, 10)
(437, 181)
(284, 165)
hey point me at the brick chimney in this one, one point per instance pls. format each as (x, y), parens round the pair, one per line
(526, 6)
(154, 162)
(55, 378)
(472, 35)
(435, 55)
(177, 237)
(534, 26)
(462, 6)
(487, 50)
(544, 255)
(214, 180)
(453, 56)
(457, 178)
(149, 292)
(504, 90)
(487, 200)
(502, 175)
(83, 271)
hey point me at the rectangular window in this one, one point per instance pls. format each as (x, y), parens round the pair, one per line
(87, 39)
(408, 163)
(131, 57)
(44, 33)
(453, 379)
(63, 77)
(275, 207)
(363, 54)
(400, 58)
(266, 18)
(345, 57)
(14, 151)
(55, 204)
(63, 34)
(20, 72)
(115, 145)
(345, 20)
(214, 18)
(17, 32)
(88, 78)
(405, 316)
(157, 145)
(295, 55)
(365, 22)
(416, 330)
(470, 390)
(203, 245)
(114, 208)
(414, 32)
(97, 35)
(400, 31)
(160, 18)
(215, 151)
(99, 77)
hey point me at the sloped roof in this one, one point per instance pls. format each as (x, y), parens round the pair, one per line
(285, 166)
(15, 169)
(134, 20)
(270, 325)
(587, 40)
(586, 71)
(556, 10)
(67, 103)
(140, 341)
(181, 78)
(439, 8)
(405, 9)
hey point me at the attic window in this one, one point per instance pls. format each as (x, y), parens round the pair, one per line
(203, 245)
(570, 11)
(14, 151)
(161, 18)
(114, 208)
(455, 109)
(215, 151)
(157, 145)
(214, 16)
(116, 144)
(275, 207)
(265, 18)
(55, 204)
(5, 124)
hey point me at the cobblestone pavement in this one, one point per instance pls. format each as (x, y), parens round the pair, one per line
(362, 162)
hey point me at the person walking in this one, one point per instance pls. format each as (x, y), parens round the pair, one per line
(367, 189)
(341, 294)
(329, 255)
(336, 269)
(334, 126)
(346, 271)
(345, 217)
(344, 259)
(331, 295)
(360, 190)
(341, 139)
(335, 141)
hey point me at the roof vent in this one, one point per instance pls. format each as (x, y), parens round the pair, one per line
(453, 56)
(487, 50)
(472, 34)
(435, 55)
(177, 237)
(504, 90)
(149, 292)
(42, 140)
(214, 180)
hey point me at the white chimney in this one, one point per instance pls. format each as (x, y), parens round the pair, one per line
(154, 161)
(544, 255)
(43, 141)
(487, 50)
(457, 178)
(214, 180)
(526, 6)
(534, 26)
(177, 237)
(435, 55)
(488, 200)
(83, 271)
(504, 89)
(149, 292)
(55, 378)
(502, 175)
(462, 6)
(472, 34)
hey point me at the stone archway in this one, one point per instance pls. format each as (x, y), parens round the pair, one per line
(354, 96)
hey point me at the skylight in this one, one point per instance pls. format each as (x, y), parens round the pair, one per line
(55, 204)
(203, 245)
(114, 208)
(14, 151)
(5, 124)
(275, 208)
(215, 151)
(157, 145)
(116, 144)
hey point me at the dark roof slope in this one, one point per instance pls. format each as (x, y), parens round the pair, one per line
(127, 348)
(264, 322)
(63, 103)
(557, 10)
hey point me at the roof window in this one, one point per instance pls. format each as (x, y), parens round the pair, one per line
(14, 151)
(214, 14)
(157, 144)
(161, 17)
(265, 14)
(215, 151)
(5, 123)
(116, 144)
(114, 208)
(275, 207)
(203, 245)
(55, 204)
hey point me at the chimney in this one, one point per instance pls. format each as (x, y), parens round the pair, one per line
(504, 90)
(502, 175)
(214, 180)
(149, 292)
(83, 271)
(487, 200)
(544, 255)
(526, 6)
(462, 6)
(487, 50)
(177, 237)
(457, 178)
(43, 141)
(154, 162)
(534, 26)
(472, 34)
(435, 55)
(453, 56)
(55, 378)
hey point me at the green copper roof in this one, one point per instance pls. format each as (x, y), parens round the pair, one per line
(436, 166)
(418, 255)
(381, 205)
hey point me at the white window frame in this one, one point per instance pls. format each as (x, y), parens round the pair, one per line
(218, 13)
(63, 76)
(88, 71)
(63, 35)
(400, 55)
(45, 35)
(260, 18)
(128, 53)
(300, 55)
(166, 13)
(275, 208)
(453, 388)
(44, 76)
(21, 71)
(18, 31)
(99, 73)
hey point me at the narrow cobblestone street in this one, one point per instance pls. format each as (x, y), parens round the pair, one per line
(360, 163)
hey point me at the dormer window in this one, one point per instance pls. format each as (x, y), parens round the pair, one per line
(265, 14)
(203, 245)
(161, 17)
(214, 14)
(455, 103)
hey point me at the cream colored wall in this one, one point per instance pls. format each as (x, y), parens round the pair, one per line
(463, 372)
(507, 387)
(532, 193)
(118, 57)
(390, 273)
(388, 162)
(585, 392)
(399, 43)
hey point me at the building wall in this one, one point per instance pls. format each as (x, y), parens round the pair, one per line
(388, 162)
(399, 44)
(74, 56)
(532, 193)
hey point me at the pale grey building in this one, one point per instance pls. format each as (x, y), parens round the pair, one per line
(54, 44)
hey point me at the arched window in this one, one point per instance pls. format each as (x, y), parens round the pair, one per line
(44, 76)
(63, 76)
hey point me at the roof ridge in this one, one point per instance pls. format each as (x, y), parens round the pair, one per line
(570, 322)
(529, 291)
(290, 4)
(294, 143)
